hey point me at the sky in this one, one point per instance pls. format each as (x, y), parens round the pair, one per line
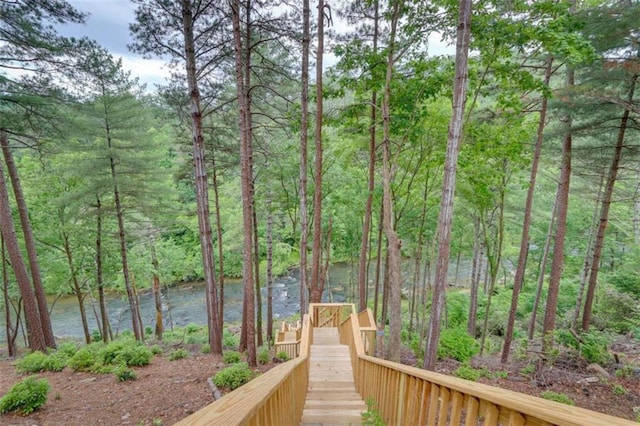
(108, 24)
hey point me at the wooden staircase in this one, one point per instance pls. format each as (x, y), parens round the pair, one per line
(332, 398)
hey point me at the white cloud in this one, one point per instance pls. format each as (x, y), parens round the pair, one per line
(150, 71)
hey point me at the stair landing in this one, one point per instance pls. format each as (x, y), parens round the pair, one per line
(332, 398)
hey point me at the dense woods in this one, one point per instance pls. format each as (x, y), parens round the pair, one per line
(301, 137)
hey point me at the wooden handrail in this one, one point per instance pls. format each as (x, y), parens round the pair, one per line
(274, 398)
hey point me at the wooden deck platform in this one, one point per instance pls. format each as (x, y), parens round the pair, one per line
(332, 398)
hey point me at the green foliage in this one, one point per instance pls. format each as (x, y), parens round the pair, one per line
(263, 356)
(84, 358)
(624, 372)
(156, 350)
(205, 348)
(457, 309)
(282, 356)
(619, 390)
(465, 371)
(25, 396)
(616, 311)
(68, 348)
(593, 345)
(123, 373)
(372, 416)
(127, 352)
(96, 336)
(234, 376)
(37, 361)
(192, 328)
(455, 343)
(178, 354)
(528, 369)
(557, 397)
(229, 340)
(231, 357)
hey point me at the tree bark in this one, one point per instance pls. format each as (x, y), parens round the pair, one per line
(246, 179)
(475, 279)
(304, 130)
(155, 287)
(445, 218)
(521, 268)
(316, 287)
(29, 242)
(256, 261)
(216, 201)
(76, 287)
(103, 304)
(604, 211)
(10, 332)
(269, 273)
(35, 334)
(562, 207)
(202, 194)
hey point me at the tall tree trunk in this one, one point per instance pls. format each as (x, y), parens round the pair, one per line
(256, 261)
(521, 268)
(246, 178)
(216, 200)
(316, 289)
(562, 207)
(29, 242)
(366, 223)
(202, 193)
(604, 211)
(475, 278)
(304, 131)
(155, 287)
(35, 334)
(106, 329)
(76, 287)
(10, 332)
(378, 272)
(393, 241)
(542, 268)
(269, 273)
(588, 256)
(445, 218)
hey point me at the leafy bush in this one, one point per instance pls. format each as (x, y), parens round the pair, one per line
(205, 348)
(229, 340)
(263, 356)
(372, 416)
(619, 390)
(137, 355)
(231, 357)
(465, 371)
(156, 350)
(32, 363)
(26, 396)
(192, 328)
(282, 356)
(455, 343)
(68, 348)
(178, 354)
(96, 336)
(124, 373)
(84, 359)
(616, 311)
(557, 397)
(234, 376)
(593, 345)
(457, 309)
(148, 331)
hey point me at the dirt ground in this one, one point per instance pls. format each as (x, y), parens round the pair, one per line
(167, 391)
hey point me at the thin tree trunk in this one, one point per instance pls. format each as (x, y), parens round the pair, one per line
(304, 130)
(562, 207)
(35, 334)
(155, 286)
(604, 211)
(448, 185)
(29, 242)
(10, 332)
(521, 268)
(366, 224)
(202, 193)
(393, 241)
(246, 178)
(257, 279)
(315, 293)
(542, 269)
(378, 269)
(269, 273)
(588, 256)
(106, 329)
(475, 279)
(216, 201)
(76, 287)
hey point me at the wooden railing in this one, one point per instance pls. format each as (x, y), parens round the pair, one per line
(288, 339)
(402, 395)
(274, 398)
(410, 396)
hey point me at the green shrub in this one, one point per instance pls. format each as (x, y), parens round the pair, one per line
(26, 396)
(32, 363)
(192, 328)
(124, 373)
(148, 331)
(282, 356)
(619, 390)
(137, 355)
(593, 346)
(156, 350)
(229, 340)
(234, 376)
(557, 397)
(455, 343)
(372, 416)
(83, 359)
(205, 348)
(231, 357)
(178, 354)
(465, 371)
(68, 348)
(96, 336)
(263, 356)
